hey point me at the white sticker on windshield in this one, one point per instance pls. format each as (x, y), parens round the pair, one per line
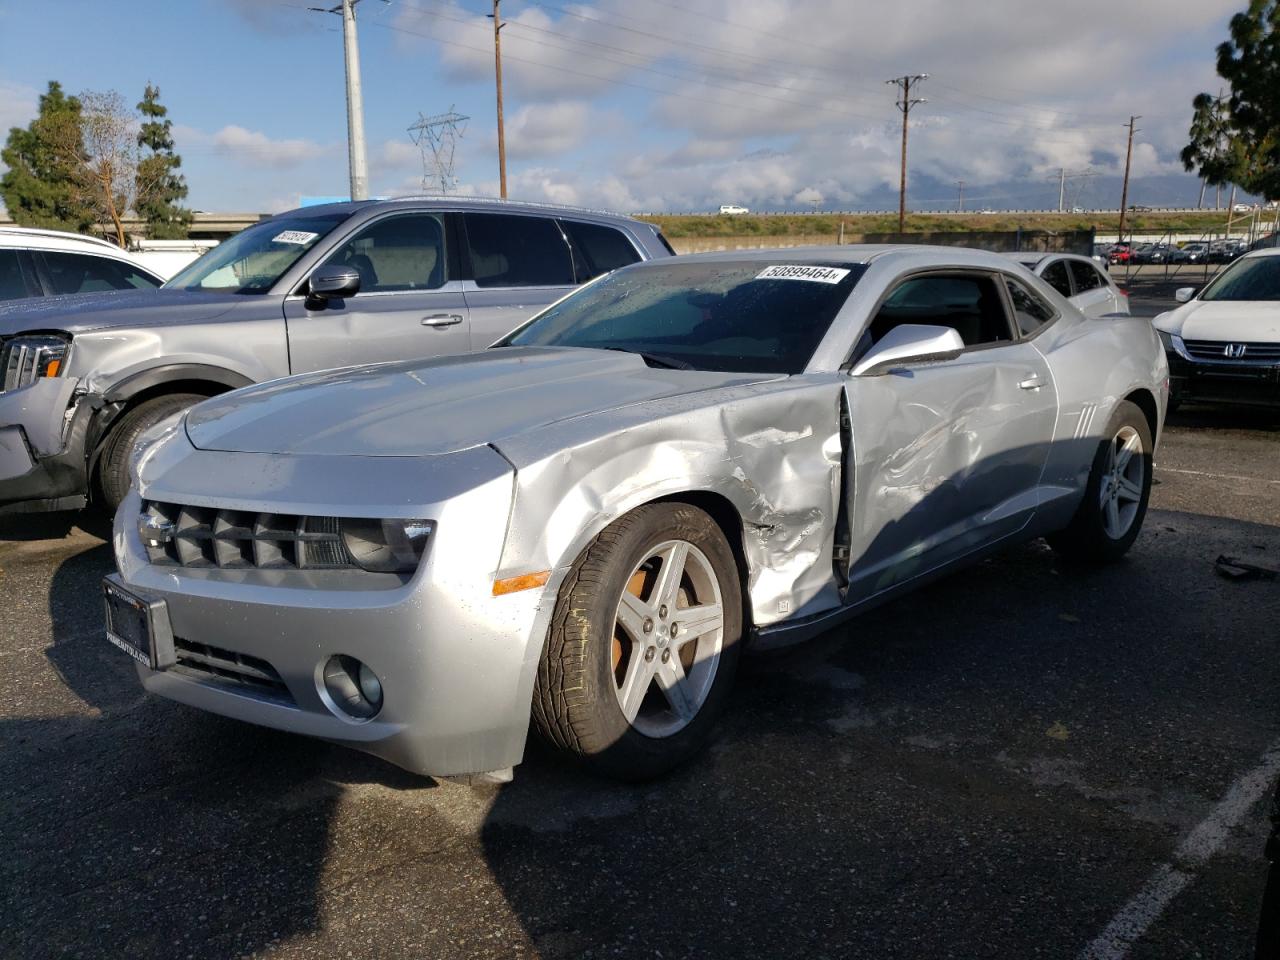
(800, 271)
(294, 236)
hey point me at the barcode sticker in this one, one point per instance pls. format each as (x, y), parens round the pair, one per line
(800, 271)
(294, 236)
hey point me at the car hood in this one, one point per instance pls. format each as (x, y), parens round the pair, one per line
(423, 408)
(81, 312)
(1242, 321)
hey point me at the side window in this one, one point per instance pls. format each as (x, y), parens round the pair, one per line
(1087, 278)
(1055, 275)
(12, 284)
(84, 273)
(971, 304)
(397, 254)
(597, 249)
(513, 251)
(1029, 309)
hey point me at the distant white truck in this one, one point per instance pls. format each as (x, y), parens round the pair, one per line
(167, 257)
(732, 209)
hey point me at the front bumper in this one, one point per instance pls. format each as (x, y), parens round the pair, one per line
(456, 663)
(42, 455)
(1223, 382)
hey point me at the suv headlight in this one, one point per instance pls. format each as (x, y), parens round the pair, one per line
(24, 360)
(387, 546)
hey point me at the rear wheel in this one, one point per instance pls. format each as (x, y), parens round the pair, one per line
(113, 467)
(643, 645)
(1115, 500)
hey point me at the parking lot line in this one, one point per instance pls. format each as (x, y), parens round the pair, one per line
(1169, 879)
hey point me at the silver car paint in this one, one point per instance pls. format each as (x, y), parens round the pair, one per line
(1098, 302)
(234, 339)
(518, 490)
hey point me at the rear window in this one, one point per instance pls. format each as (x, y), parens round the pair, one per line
(1055, 275)
(12, 284)
(597, 249)
(747, 316)
(1087, 278)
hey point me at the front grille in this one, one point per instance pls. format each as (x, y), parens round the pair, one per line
(228, 668)
(1216, 350)
(238, 540)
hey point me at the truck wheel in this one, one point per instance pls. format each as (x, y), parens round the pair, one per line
(1115, 499)
(113, 467)
(643, 644)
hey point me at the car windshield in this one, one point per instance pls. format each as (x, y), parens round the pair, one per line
(749, 315)
(1256, 278)
(255, 258)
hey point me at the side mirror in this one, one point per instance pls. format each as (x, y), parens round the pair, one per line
(910, 341)
(333, 281)
(1183, 294)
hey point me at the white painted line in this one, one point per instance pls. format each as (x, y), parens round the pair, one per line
(1169, 879)
(1215, 476)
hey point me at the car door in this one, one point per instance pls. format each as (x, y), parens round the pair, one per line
(408, 305)
(518, 264)
(947, 454)
(1094, 296)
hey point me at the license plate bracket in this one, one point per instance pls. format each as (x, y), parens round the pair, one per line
(138, 625)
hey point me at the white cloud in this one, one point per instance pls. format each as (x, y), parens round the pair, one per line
(253, 148)
(543, 130)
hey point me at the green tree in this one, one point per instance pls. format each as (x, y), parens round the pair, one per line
(159, 185)
(1214, 152)
(1250, 62)
(40, 187)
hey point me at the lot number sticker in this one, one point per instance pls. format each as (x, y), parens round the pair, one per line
(294, 236)
(799, 271)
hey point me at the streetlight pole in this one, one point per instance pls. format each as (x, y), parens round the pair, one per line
(355, 103)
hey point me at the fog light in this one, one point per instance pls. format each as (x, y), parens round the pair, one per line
(353, 687)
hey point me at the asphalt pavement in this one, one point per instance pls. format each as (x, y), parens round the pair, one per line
(1023, 760)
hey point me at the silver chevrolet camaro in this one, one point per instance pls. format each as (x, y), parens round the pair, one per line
(586, 524)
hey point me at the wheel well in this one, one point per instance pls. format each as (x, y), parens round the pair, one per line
(725, 514)
(206, 388)
(1145, 402)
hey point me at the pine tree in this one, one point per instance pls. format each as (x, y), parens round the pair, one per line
(1214, 152)
(1250, 62)
(159, 186)
(40, 186)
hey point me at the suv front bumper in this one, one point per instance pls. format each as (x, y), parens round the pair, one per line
(42, 451)
(1219, 382)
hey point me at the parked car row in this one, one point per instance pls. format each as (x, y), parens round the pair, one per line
(1198, 251)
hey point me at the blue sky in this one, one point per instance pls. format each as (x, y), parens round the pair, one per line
(651, 104)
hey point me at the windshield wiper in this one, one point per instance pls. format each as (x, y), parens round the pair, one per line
(656, 359)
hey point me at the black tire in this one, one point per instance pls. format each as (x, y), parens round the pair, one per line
(1086, 538)
(575, 703)
(113, 466)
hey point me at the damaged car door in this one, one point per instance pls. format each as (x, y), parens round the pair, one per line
(946, 451)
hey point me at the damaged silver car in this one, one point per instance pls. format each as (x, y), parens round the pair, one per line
(588, 523)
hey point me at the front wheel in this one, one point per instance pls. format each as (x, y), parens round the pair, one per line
(643, 645)
(113, 467)
(1115, 499)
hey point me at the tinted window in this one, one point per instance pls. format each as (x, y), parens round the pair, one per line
(84, 273)
(1029, 308)
(971, 305)
(12, 285)
(712, 315)
(255, 258)
(511, 251)
(1087, 278)
(597, 249)
(398, 253)
(1055, 275)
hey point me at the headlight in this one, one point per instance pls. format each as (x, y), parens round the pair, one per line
(387, 546)
(1172, 343)
(24, 360)
(148, 440)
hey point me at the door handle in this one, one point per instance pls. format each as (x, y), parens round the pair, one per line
(441, 320)
(1032, 382)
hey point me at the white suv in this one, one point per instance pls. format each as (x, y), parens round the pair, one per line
(44, 263)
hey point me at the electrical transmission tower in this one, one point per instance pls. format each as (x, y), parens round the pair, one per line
(437, 138)
(1065, 176)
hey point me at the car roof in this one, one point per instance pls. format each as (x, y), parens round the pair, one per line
(435, 201)
(17, 236)
(863, 253)
(1264, 252)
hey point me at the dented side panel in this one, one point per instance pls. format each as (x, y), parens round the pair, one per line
(770, 450)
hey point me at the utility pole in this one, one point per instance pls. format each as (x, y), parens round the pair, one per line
(355, 104)
(1062, 189)
(496, 17)
(905, 104)
(1128, 162)
(960, 198)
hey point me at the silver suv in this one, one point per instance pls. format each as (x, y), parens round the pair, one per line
(82, 377)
